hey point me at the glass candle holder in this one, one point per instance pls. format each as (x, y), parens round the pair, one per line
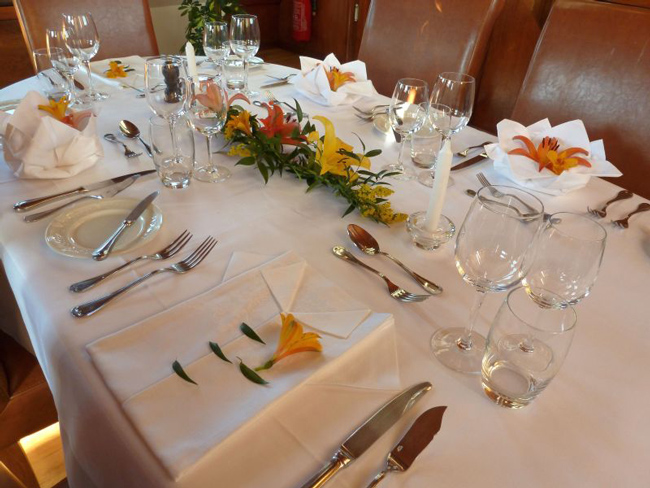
(424, 239)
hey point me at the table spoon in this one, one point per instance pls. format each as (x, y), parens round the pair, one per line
(130, 130)
(369, 245)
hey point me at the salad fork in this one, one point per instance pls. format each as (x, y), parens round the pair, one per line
(127, 152)
(395, 291)
(171, 250)
(623, 223)
(466, 151)
(484, 181)
(602, 213)
(181, 267)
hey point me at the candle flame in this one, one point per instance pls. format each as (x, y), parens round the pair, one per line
(412, 94)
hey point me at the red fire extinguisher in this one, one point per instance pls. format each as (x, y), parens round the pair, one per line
(301, 20)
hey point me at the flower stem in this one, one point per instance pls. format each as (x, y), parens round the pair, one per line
(266, 365)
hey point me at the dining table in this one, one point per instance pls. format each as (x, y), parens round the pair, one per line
(588, 428)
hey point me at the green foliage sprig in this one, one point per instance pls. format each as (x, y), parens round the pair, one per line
(199, 12)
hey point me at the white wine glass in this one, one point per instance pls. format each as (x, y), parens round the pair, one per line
(216, 44)
(62, 59)
(452, 96)
(407, 113)
(208, 111)
(245, 42)
(82, 39)
(497, 235)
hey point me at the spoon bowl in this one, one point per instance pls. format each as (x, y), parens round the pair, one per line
(130, 130)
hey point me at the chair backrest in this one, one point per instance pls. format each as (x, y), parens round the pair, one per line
(124, 26)
(423, 38)
(592, 62)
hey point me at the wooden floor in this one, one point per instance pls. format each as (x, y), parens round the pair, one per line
(280, 56)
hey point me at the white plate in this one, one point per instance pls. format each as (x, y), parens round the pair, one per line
(381, 123)
(85, 227)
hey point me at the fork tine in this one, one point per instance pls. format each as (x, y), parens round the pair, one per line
(174, 242)
(206, 251)
(196, 252)
(209, 244)
(482, 179)
(178, 244)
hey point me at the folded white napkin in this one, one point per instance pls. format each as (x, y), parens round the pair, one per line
(36, 145)
(524, 171)
(134, 78)
(314, 84)
(182, 422)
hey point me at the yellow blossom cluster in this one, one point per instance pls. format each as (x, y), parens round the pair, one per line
(369, 207)
(241, 122)
(239, 150)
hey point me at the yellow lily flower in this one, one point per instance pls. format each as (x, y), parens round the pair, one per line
(329, 154)
(116, 70)
(56, 108)
(239, 122)
(338, 78)
(292, 340)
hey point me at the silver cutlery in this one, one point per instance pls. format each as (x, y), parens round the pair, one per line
(130, 130)
(271, 98)
(181, 267)
(127, 152)
(413, 443)
(467, 150)
(395, 291)
(275, 83)
(105, 249)
(367, 244)
(170, 251)
(470, 162)
(366, 435)
(26, 205)
(110, 192)
(484, 181)
(372, 112)
(281, 78)
(471, 193)
(602, 213)
(624, 223)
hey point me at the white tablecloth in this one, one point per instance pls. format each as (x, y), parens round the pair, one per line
(590, 428)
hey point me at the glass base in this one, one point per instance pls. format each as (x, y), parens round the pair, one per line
(403, 173)
(94, 97)
(427, 179)
(448, 349)
(216, 174)
(174, 180)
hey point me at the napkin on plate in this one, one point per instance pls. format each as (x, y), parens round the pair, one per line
(524, 171)
(182, 422)
(134, 78)
(37, 145)
(314, 83)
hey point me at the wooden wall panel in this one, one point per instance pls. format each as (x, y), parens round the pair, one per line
(268, 14)
(16, 64)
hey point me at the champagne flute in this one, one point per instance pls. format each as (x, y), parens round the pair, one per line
(216, 44)
(452, 97)
(245, 42)
(493, 243)
(82, 39)
(407, 113)
(62, 59)
(208, 111)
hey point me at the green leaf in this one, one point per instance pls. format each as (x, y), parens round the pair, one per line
(217, 350)
(264, 171)
(349, 210)
(298, 110)
(178, 369)
(373, 153)
(250, 333)
(250, 374)
(247, 161)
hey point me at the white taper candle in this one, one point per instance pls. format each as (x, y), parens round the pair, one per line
(437, 200)
(191, 60)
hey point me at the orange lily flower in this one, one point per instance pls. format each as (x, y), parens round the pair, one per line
(214, 99)
(241, 122)
(338, 78)
(292, 340)
(547, 156)
(275, 124)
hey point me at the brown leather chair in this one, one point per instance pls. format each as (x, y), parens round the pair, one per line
(423, 38)
(592, 62)
(125, 26)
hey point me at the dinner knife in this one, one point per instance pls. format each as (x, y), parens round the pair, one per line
(413, 443)
(108, 192)
(366, 435)
(275, 83)
(37, 202)
(476, 159)
(104, 250)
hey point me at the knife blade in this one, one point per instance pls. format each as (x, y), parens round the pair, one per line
(366, 435)
(25, 205)
(275, 83)
(107, 192)
(476, 159)
(104, 250)
(413, 443)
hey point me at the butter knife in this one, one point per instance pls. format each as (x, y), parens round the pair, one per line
(413, 443)
(104, 250)
(476, 159)
(366, 435)
(25, 205)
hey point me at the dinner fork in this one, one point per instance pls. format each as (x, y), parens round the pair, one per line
(602, 213)
(395, 291)
(623, 223)
(181, 267)
(166, 253)
(484, 181)
(466, 151)
(271, 98)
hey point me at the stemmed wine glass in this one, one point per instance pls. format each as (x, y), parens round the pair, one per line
(82, 39)
(245, 42)
(62, 59)
(497, 235)
(208, 111)
(216, 44)
(568, 255)
(452, 94)
(407, 113)
(166, 90)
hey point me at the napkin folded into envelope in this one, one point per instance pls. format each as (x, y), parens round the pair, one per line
(524, 171)
(313, 82)
(36, 145)
(133, 78)
(182, 422)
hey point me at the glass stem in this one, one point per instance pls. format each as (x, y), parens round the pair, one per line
(172, 131)
(91, 88)
(400, 164)
(208, 139)
(465, 342)
(246, 90)
(73, 96)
